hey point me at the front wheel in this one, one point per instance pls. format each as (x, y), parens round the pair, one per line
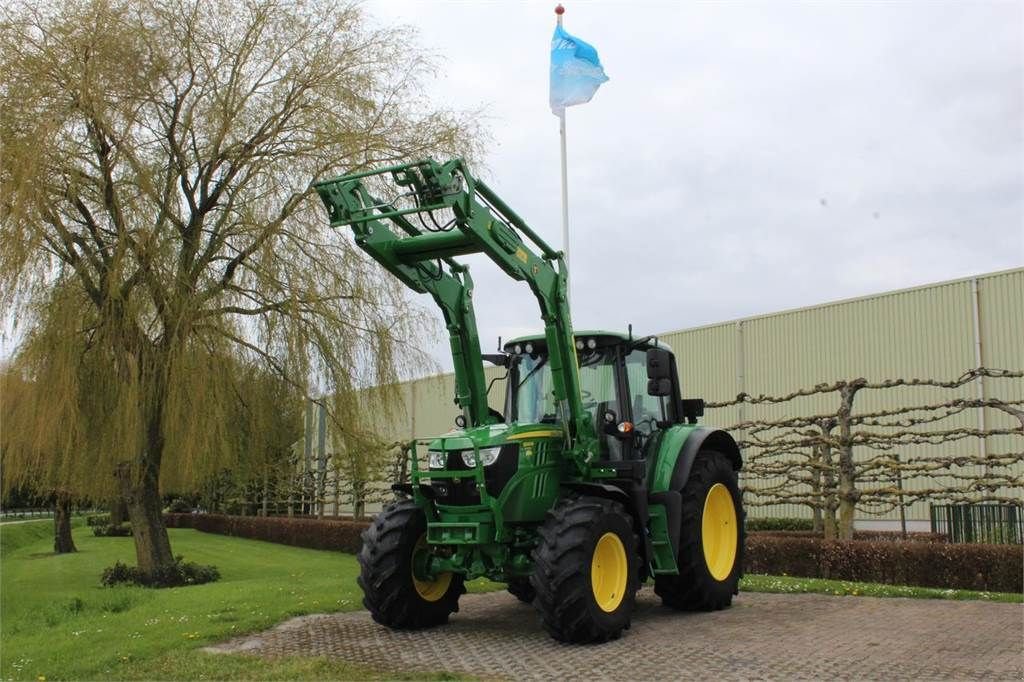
(586, 571)
(393, 593)
(711, 539)
(521, 589)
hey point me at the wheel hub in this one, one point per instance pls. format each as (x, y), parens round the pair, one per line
(719, 532)
(430, 589)
(609, 570)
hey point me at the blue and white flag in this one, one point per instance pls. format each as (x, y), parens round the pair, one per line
(576, 71)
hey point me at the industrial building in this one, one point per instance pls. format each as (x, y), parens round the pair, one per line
(933, 332)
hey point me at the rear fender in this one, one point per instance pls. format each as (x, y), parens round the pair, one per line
(678, 450)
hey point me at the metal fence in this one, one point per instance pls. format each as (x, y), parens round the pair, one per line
(1001, 524)
(26, 514)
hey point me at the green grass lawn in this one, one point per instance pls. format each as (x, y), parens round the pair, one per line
(58, 623)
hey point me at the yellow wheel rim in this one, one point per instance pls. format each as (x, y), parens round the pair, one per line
(719, 532)
(608, 572)
(429, 590)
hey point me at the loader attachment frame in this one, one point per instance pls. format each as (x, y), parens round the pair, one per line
(436, 212)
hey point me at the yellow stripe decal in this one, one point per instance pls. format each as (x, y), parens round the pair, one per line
(535, 434)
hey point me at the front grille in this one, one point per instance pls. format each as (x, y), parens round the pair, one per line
(496, 476)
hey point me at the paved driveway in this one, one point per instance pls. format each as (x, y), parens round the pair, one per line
(806, 636)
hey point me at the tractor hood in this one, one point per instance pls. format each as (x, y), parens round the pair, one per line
(491, 435)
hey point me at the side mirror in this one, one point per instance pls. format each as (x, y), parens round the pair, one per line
(499, 359)
(659, 372)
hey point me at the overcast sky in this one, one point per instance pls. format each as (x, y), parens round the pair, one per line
(745, 158)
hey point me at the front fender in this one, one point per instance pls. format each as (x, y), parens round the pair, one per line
(678, 449)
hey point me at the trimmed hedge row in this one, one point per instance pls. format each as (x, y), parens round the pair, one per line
(779, 523)
(928, 563)
(333, 534)
(875, 535)
(995, 568)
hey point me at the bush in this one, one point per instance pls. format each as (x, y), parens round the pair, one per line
(995, 568)
(332, 534)
(779, 524)
(111, 531)
(179, 506)
(97, 520)
(177, 574)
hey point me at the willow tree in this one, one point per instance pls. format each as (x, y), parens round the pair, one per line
(46, 481)
(157, 222)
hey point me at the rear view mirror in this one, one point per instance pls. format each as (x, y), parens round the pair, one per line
(659, 372)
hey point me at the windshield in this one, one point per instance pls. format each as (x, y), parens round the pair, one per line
(534, 398)
(534, 393)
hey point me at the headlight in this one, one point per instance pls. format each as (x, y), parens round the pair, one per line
(436, 459)
(488, 456)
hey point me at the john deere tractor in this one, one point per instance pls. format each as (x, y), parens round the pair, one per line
(595, 478)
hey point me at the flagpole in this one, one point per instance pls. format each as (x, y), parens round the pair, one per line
(559, 11)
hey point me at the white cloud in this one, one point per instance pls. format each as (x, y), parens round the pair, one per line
(750, 157)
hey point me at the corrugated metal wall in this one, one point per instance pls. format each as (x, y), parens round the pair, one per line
(927, 332)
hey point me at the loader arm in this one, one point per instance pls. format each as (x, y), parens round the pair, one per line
(439, 212)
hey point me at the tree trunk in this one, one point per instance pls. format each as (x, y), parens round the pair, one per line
(829, 503)
(358, 506)
(266, 493)
(142, 497)
(337, 491)
(848, 493)
(816, 493)
(118, 512)
(829, 522)
(62, 541)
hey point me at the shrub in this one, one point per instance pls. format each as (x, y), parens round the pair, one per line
(996, 568)
(179, 573)
(779, 524)
(332, 534)
(119, 573)
(97, 520)
(179, 506)
(111, 531)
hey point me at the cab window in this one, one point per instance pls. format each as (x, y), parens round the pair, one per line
(648, 410)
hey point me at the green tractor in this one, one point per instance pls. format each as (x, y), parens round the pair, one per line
(595, 478)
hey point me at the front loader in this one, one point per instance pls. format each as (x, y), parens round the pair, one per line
(594, 479)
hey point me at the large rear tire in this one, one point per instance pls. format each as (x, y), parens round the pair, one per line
(392, 593)
(586, 571)
(711, 539)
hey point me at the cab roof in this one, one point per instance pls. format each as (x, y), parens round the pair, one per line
(581, 333)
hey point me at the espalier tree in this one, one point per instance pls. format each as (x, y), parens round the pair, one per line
(158, 228)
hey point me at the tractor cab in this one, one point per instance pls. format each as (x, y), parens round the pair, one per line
(629, 388)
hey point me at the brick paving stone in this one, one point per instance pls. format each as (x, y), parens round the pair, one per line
(763, 636)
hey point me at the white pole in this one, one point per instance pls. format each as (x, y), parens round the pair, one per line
(565, 184)
(565, 191)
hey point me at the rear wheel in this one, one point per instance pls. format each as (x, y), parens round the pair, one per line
(711, 539)
(586, 571)
(394, 546)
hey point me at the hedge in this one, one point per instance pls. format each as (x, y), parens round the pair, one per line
(995, 568)
(333, 534)
(876, 535)
(931, 563)
(779, 523)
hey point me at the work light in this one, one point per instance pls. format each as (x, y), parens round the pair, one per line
(488, 456)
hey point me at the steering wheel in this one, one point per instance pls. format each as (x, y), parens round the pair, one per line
(651, 420)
